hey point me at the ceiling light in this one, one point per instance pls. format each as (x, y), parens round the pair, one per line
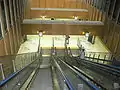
(76, 17)
(43, 17)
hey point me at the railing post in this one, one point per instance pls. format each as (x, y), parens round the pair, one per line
(32, 57)
(53, 42)
(93, 56)
(112, 57)
(27, 59)
(35, 55)
(104, 58)
(2, 71)
(22, 63)
(14, 67)
(89, 56)
(98, 58)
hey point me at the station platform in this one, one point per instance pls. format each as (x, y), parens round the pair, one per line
(31, 45)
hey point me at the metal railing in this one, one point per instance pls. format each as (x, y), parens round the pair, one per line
(100, 57)
(13, 63)
(15, 69)
(98, 61)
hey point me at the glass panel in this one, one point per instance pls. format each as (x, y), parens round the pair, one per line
(116, 10)
(119, 19)
(0, 31)
(8, 7)
(13, 11)
(29, 63)
(16, 3)
(111, 7)
(106, 6)
(3, 16)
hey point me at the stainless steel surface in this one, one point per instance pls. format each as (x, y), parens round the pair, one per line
(43, 80)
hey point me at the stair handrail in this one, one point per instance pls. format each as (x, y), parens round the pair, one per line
(3, 82)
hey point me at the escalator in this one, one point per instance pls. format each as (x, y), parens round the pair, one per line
(75, 77)
(105, 75)
(43, 79)
(41, 73)
(22, 67)
(60, 71)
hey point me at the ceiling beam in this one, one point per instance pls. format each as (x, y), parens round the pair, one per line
(60, 9)
(58, 21)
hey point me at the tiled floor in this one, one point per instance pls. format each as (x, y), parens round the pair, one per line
(31, 45)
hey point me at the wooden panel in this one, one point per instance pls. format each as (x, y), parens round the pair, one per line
(100, 16)
(42, 3)
(66, 4)
(51, 4)
(61, 29)
(6, 39)
(37, 14)
(79, 4)
(97, 13)
(55, 3)
(34, 3)
(73, 4)
(2, 48)
(111, 34)
(12, 40)
(58, 4)
(84, 5)
(48, 3)
(27, 9)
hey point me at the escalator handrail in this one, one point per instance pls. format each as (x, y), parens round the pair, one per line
(3, 82)
(14, 74)
(110, 70)
(68, 83)
(112, 67)
(17, 54)
(102, 68)
(89, 83)
(107, 66)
